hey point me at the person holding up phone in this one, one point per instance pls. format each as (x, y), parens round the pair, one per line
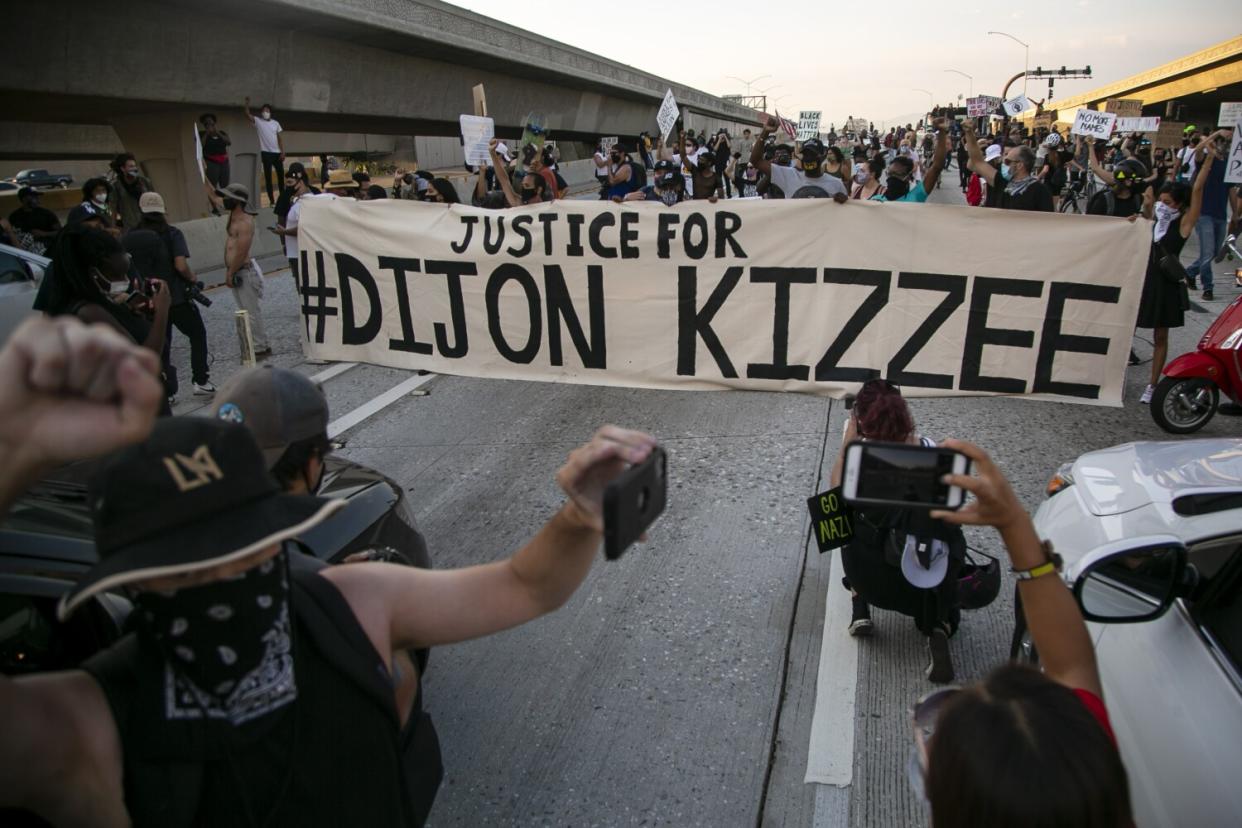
(899, 559)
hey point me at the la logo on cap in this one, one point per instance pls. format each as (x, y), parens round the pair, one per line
(201, 465)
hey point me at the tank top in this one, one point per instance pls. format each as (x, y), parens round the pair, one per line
(335, 756)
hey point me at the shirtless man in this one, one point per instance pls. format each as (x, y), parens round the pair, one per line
(241, 274)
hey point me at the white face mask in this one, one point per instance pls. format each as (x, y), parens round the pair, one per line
(100, 198)
(267, 116)
(1164, 212)
(862, 177)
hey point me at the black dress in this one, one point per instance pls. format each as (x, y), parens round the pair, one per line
(1161, 303)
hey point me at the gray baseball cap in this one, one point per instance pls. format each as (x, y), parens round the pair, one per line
(279, 406)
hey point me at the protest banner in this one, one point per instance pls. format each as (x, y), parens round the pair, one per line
(1138, 124)
(1124, 107)
(476, 132)
(1016, 106)
(1233, 161)
(981, 106)
(808, 124)
(747, 295)
(1230, 114)
(1093, 124)
(667, 116)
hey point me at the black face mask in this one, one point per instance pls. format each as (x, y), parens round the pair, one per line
(227, 642)
(529, 194)
(896, 188)
(811, 165)
(616, 159)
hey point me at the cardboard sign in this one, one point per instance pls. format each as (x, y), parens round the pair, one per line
(808, 124)
(1170, 134)
(736, 295)
(1124, 107)
(608, 143)
(1043, 121)
(1233, 161)
(667, 116)
(1016, 106)
(1230, 114)
(981, 106)
(476, 132)
(1138, 124)
(1093, 124)
(832, 520)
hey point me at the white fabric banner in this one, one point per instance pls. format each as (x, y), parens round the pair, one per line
(790, 295)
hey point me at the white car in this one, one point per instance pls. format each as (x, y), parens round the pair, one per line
(21, 273)
(1151, 536)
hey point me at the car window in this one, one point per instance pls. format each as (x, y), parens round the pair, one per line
(1220, 611)
(32, 640)
(1210, 557)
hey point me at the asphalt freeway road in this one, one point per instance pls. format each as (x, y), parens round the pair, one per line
(678, 686)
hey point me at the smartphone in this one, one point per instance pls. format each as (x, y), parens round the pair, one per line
(900, 474)
(633, 501)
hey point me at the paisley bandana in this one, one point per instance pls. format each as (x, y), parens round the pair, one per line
(227, 645)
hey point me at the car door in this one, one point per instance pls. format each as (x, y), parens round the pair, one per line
(1174, 695)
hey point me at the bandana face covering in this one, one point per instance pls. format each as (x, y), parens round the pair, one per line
(669, 197)
(1164, 217)
(226, 644)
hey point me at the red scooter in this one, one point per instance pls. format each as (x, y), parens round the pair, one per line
(1186, 398)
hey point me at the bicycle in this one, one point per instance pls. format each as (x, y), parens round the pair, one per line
(1084, 188)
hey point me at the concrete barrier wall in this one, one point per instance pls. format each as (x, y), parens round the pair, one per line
(205, 238)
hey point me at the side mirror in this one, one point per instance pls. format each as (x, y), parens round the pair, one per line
(1135, 584)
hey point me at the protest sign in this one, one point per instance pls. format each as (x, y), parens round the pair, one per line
(476, 132)
(1233, 161)
(1138, 124)
(1093, 124)
(808, 124)
(667, 116)
(981, 106)
(1043, 121)
(1170, 134)
(608, 143)
(832, 520)
(1016, 106)
(1124, 107)
(1230, 114)
(747, 295)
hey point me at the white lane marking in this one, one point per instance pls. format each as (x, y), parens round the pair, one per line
(335, 371)
(830, 759)
(376, 404)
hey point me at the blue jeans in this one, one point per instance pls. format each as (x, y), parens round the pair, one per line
(1211, 233)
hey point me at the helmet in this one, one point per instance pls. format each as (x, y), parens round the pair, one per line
(1053, 140)
(1129, 170)
(978, 584)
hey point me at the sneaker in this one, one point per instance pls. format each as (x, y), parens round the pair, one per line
(860, 621)
(1134, 358)
(940, 671)
(1146, 398)
(1207, 296)
(204, 389)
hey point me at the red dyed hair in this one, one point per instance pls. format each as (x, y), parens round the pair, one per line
(882, 413)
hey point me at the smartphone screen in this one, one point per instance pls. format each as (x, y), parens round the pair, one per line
(897, 474)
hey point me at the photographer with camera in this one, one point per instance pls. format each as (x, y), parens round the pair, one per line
(159, 251)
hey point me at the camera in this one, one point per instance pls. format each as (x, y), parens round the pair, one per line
(195, 292)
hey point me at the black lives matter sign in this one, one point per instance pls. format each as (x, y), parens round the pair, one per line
(808, 296)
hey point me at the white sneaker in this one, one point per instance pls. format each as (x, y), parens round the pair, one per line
(206, 389)
(1146, 398)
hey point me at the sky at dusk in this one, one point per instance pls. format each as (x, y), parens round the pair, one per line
(867, 61)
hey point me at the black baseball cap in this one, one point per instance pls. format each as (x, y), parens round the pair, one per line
(195, 494)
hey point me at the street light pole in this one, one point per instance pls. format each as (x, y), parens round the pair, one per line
(749, 83)
(930, 98)
(968, 77)
(1027, 60)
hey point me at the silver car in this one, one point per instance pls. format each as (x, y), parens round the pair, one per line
(1151, 536)
(21, 273)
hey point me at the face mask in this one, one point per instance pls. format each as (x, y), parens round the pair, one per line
(1164, 212)
(810, 165)
(896, 188)
(529, 194)
(862, 177)
(131, 173)
(669, 197)
(267, 116)
(115, 290)
(616, 159)
(100, 198)
(1006, 172)
(224, 641)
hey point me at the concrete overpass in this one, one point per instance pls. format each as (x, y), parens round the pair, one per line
(1190, 89)
(386, 67)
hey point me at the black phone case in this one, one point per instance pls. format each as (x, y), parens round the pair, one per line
(633, 501)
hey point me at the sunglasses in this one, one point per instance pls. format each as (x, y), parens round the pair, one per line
(923, 718)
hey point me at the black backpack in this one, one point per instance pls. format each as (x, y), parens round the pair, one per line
(638, 176)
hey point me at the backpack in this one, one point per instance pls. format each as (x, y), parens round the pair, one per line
(638, 176)
(974, 190)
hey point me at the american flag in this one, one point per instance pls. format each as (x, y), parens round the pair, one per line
(787, 126)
